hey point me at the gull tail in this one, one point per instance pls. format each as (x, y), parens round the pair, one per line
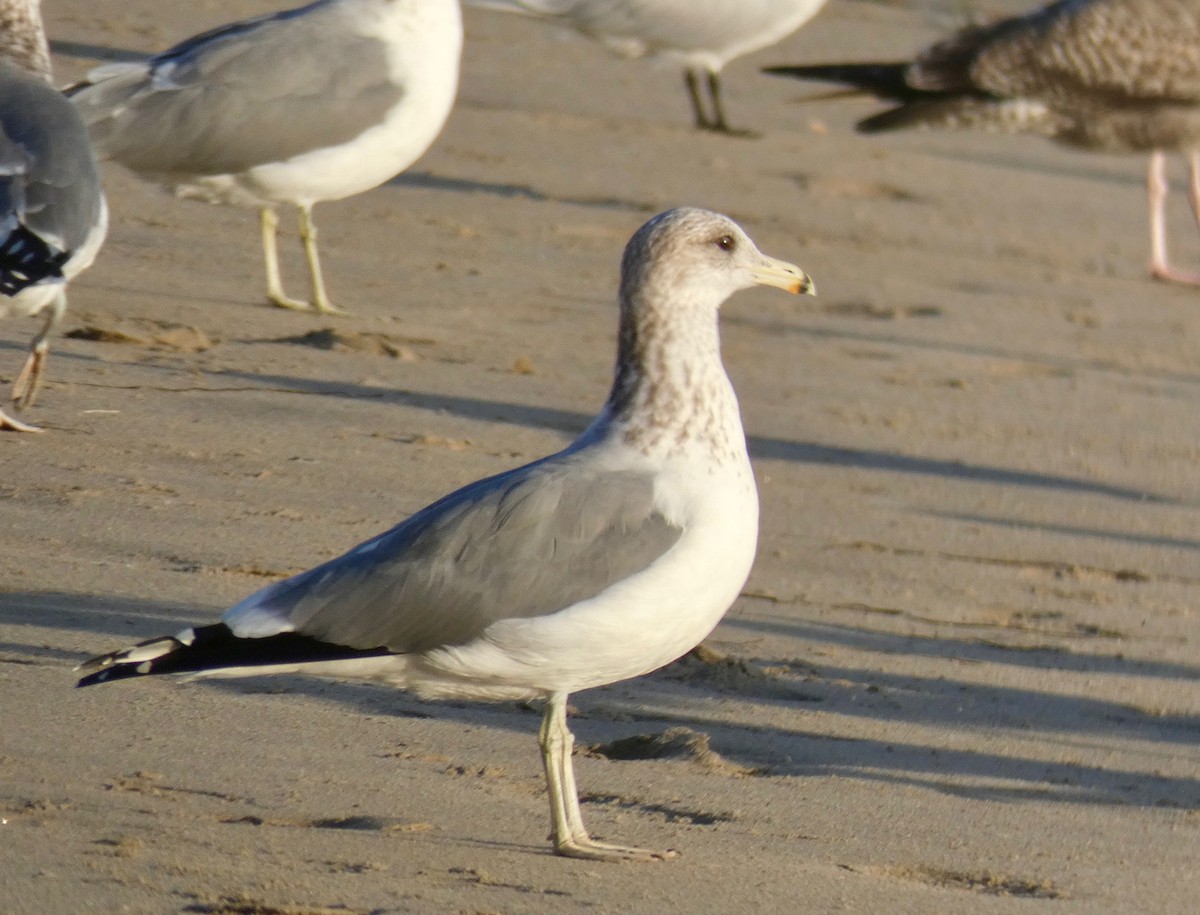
(212, 649)
(935, 106)
(883, 80)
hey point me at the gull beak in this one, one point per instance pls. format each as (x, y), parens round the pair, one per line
(787, 276)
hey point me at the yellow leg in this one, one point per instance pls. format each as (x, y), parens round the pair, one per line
(570, 837)
(275, 294)
(308, 235)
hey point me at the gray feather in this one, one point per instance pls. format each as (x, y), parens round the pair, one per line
(522, 544)
(253, 92)
(50, 183)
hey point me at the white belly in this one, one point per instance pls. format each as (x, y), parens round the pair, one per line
(632, 628)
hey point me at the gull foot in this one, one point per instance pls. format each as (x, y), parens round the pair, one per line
(15, 425)
(590, 850)
(1169, 274)
(283, 301)
(320, 307)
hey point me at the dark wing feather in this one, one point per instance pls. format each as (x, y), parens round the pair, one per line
(50, 197)
(1120, 51)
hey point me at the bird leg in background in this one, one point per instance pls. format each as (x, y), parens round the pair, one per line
(308, 235)
(570, 836)
(1158, 186)
(693, 88)
(717, 123)
(1194, 186)
(29, 382)
(270, 223)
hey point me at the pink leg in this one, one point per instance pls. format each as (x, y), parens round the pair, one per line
(1157, 187)
(29, 382)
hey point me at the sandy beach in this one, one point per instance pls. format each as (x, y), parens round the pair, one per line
(963, 674)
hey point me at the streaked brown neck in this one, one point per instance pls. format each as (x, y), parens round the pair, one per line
(670, 390)
(23, 38)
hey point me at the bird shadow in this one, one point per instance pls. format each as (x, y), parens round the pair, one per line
(571, 423)
(430, 181)
(1070, 530)
(1065, 366)
(84, 50)
(773, 741)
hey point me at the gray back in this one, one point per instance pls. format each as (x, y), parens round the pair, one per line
(49, 181)
(525, 543)
(258, 91)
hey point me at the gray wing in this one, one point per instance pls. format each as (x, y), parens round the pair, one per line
(676, 24)
(259, 91)
(1124, 51)
(525, 543)
(50, 197)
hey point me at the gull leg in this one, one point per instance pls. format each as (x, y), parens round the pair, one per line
(275, 294)
(308, 234)
(693, 87)
(717, 122)
(718, 107)
(570, 837)
(1194, 190)
(1157, 187)
(29, 381)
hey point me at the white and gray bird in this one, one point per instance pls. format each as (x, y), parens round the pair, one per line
(52, 214)
(704, 35)
(1116, 76)
(317, 103)
(602, 562)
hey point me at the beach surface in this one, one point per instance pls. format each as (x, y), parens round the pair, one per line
(963, 675)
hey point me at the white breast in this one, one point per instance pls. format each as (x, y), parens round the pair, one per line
(636, 625)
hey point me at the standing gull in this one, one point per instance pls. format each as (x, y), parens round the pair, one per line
(703, 34)
(316, 103)
(604, 561)
(52, 214)
(1107, 75)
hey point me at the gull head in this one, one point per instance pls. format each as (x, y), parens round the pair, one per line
(698, 256)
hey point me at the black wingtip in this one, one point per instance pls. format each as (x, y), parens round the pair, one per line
(213, 647)
(107, 675)
(27, 259)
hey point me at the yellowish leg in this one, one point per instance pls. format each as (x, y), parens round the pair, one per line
(570, 837)
(308, 235)
(275, 294)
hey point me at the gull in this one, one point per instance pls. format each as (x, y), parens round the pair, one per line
(52, 213)
(702, 34)
(316, 103)
(602, 562)
(1115, 76)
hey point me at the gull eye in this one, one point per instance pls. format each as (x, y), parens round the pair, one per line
(726, 243)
